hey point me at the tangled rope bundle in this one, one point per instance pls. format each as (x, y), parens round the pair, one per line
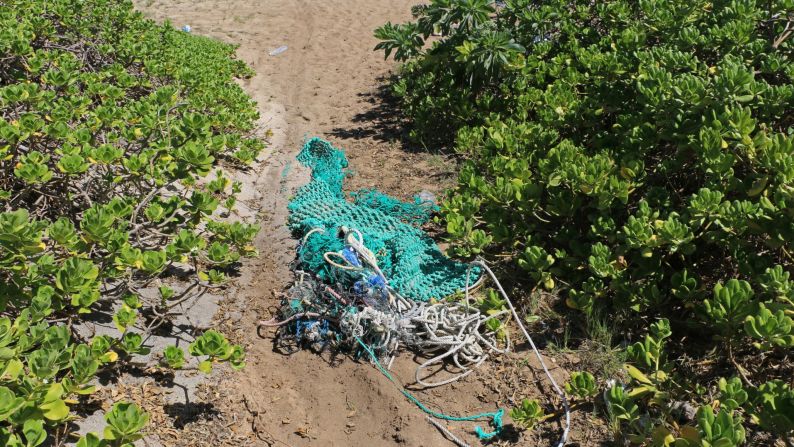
(373, 316)
(449, 331)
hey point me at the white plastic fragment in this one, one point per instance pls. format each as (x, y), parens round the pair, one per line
(278, 50)
(187, 28)
(427, 196)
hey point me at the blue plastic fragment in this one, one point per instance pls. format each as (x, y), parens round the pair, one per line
(350, 256)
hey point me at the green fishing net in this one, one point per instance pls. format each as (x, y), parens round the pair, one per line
(412, 262)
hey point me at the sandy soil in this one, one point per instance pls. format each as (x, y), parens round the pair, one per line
(328, 83)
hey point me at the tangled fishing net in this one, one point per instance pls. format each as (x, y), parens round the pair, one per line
(368, 272)
(370, 281)
(415, 266)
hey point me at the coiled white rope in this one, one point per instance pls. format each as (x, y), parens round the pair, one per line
(455, 330)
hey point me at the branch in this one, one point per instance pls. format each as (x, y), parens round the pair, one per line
(784, 35)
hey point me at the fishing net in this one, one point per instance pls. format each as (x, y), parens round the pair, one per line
(366, 277)
(320, 210)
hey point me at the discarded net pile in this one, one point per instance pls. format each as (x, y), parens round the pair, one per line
(371, 281)
(367, 274)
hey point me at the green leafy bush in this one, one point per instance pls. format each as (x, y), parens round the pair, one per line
(109, 127)
(125, 421)
(721, 430)
(772, 406)
(637, 157)
(622, 410)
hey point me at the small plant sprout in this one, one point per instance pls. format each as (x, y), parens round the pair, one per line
(581, 385)
(528, 414)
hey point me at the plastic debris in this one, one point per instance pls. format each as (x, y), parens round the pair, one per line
(371, 281)
(278, 50)
(187, 28)
(426, 197)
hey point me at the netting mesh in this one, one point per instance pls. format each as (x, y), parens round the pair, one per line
(410, 259)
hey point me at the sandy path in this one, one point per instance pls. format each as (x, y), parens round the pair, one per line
(328, 83)
(325, 84)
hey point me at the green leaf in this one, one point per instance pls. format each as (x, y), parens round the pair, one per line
(125, 421)
(55, 410)
(89, 440)
(174, 357)
(527, 414)
(33, 429)
(9, 403)
(205, 366)
(581, 384)
(12, 370)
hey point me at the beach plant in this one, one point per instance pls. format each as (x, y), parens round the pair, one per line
(582, 384)
(110, 126)
(636, 158)
(527, 414)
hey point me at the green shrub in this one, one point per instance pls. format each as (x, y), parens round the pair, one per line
(638, 153)
(109, 127)
(721, 430)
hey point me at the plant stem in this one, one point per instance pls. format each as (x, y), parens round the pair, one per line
(739, 368)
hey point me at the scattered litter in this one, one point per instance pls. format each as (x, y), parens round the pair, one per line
(278, 50)
(187, 28)
(286, 170)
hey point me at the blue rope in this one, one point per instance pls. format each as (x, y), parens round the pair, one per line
(495, 416)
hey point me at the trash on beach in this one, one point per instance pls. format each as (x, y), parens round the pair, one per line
(426, 197)
(187, 28)
(278, 50)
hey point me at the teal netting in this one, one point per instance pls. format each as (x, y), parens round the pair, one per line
(409, 258)
(416, 213)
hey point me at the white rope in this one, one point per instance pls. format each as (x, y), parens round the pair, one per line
(446, 432)
(557, 388)
(358, 245)
(327, 257)
(310, 232)
(457, 331)
(459, 335)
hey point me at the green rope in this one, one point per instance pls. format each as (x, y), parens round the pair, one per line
(495, 416)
